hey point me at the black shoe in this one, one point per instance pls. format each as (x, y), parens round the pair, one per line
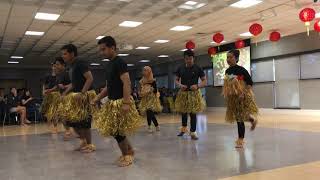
(180, 134)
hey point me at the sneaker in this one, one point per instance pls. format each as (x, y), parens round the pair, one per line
(158, 128)
(150, 129)
(183, 130)
(194, 136)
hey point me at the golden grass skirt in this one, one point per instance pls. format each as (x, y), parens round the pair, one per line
(52, 113)
(190, 102)
(47, 101)
(239, 108)
(110, 120)
(76, 107)
(150, 102)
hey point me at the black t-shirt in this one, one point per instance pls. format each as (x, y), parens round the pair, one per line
(12, 101)
(77, 71)
(114, 70)
(190, 75)
(64, 79)
(239, 70)
(50, 81)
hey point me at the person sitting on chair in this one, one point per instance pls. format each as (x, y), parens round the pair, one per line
(14, 107)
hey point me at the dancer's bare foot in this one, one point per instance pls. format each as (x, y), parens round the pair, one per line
(239, 143)
(126, 161)
(88, 148)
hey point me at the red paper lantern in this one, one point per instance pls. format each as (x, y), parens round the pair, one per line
(317, 26)
(274, 36)
(255, 29)
(190, 45)
(306, 15)
(212, 51)
(218, 38)
(240, 44)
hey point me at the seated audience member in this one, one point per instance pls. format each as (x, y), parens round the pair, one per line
(14, 106)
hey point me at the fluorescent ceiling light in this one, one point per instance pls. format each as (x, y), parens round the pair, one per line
(180, 28)
(95, 64)
(246, 34)
(318, 15)
(130, 24)
(220, 43)
(47, 16)
(163, 56)
(161, 41)
(123, 54)
(191, 3)
(245, 3)
(142, 47)
(130, 64)
(105, 60)
(16, 57)
(100, 37)
(13, 62)
(144, 61)
(34, 33)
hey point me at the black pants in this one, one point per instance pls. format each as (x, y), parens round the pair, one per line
(152, 117)
(193, 122)
(241, 129)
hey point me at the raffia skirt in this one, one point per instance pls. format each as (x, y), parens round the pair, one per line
(110, 120)
(239, 108)
(76, 110)
(150, 102)
(190, 102)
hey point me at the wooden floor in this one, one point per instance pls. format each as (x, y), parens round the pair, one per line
(297, 120)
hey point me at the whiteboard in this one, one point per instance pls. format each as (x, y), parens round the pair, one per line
(263, 71)
(310, 66)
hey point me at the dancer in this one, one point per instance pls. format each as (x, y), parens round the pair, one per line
(119, 116)
(49, 96)
(189, 99)
(150, 102)
(238, 93)
(81, 80)
(63, 82)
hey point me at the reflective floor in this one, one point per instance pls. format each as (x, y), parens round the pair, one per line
(280, 152)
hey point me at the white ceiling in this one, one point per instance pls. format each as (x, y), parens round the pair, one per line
(81, 21)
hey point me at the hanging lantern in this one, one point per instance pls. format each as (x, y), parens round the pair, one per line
(190, 45)
(218, 38)
(240, 44)
(274, 36)
(317, 26)
(212, 51)
(255, 29)
(307, 15)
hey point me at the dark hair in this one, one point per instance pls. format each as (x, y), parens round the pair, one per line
(189, 53)
(236, 53)
(60, 60)
(108, 41)
(70, 49)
